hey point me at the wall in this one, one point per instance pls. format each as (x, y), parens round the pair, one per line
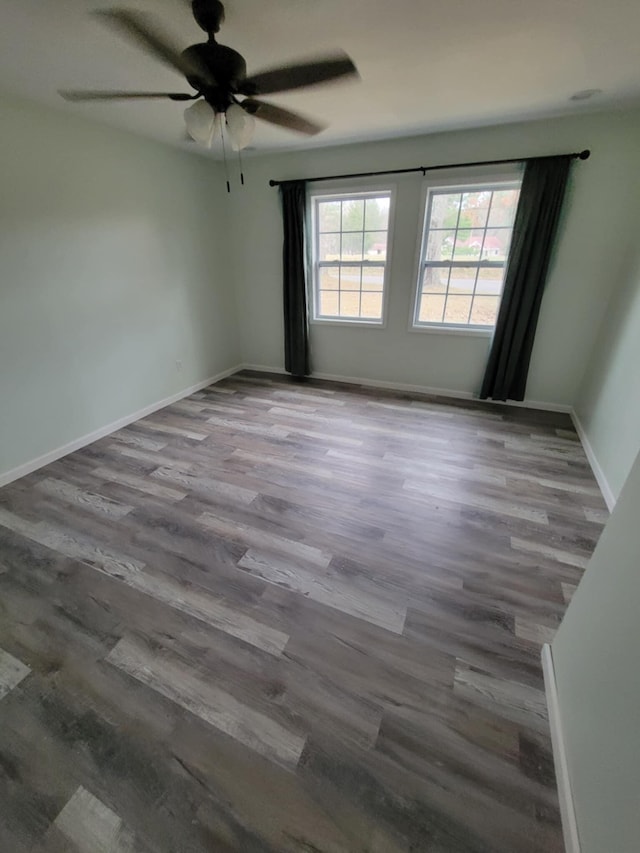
(608, 405)
(113, 266)
(584, 272)
(595, 654)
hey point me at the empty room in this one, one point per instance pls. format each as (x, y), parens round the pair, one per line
(319, 427)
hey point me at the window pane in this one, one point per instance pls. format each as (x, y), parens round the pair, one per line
(372, 306)
(431, 309)
(503, 207)
(352, 247)
(329, 216)
(329, 278)
(462, 279)
(457, 310)
(329, 303)
(349, 304)
(350, 278)
(377, 213)
(373, 278)
(444, 210)
(329, 246)
(440, 245)
(375, 245)
(353, 215)
(468, 244)
(496, 244)
(485, 310)
(475, 208)
(435, 280)
(490, 281)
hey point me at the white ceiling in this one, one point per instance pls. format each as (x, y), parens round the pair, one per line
(424, 65)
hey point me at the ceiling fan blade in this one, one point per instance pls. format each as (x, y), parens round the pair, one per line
(144, 32)
(283, 118)
(86, 95)
(296, 76)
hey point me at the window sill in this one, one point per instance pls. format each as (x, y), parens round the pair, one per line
(452, 330)
(362, 324)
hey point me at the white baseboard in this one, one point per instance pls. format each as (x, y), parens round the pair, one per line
(419, 389)
(598, 473)
(261, 368)
(394, 386)
(567, 808)
(53, 455)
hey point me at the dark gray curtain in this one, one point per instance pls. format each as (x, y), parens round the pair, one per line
(296, 318)
(536, 223)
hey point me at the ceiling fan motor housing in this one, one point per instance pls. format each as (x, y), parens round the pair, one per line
(227, 68)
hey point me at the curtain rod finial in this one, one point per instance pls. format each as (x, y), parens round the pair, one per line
(584, 155)
(273, 183)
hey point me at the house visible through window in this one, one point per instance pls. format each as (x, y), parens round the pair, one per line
(350, 246)
(465, 248)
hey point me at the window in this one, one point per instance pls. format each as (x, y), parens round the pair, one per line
(350, 248)
(465, 247)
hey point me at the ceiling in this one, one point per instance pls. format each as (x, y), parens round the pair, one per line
(425, 66)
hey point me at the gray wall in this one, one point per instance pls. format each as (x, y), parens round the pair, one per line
(599, 218)
(113, 266)
(609, 400)
(596, 660)
(596, 648)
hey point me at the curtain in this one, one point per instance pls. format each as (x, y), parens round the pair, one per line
(536, 223)
(296, 319)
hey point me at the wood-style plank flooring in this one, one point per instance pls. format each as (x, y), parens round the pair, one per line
(290, 617)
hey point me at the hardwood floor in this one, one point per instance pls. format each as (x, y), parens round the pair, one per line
(290, 617)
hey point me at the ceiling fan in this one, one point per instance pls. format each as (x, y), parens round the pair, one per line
(218, 74)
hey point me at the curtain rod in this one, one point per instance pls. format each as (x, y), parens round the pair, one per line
(580, 155)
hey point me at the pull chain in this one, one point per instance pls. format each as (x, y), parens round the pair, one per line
(240, 164)
(224, 155)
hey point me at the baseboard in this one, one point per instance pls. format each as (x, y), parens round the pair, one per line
(262, 368)
(419, 389)
(395, 386)
(563, 779)
(605, 488)
(53, 455)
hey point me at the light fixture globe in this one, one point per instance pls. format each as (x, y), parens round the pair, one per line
(200, 119)
(241, 127)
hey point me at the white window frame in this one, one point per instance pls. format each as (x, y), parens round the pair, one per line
(338, 193)
(458, 179)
